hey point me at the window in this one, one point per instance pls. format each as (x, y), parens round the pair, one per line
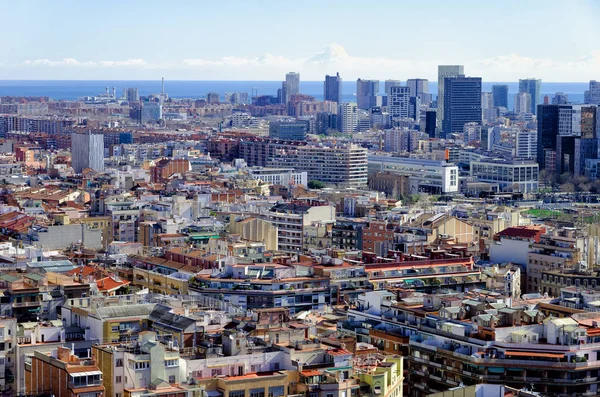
(216, 372)
(276, 391)
(142, 365)
(119, 362)
(260, 392)
(171, 379)
(171, 363)
(237, 393)
(118, 379)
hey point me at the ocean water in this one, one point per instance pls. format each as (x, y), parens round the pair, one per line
(74, 89)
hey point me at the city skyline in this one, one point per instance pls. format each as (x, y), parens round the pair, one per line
(172, 43)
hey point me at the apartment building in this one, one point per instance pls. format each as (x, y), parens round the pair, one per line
(292, 218)
(61, 373)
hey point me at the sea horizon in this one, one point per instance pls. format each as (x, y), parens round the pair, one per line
(197, 89)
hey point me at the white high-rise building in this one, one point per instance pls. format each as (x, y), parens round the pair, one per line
(87, 151)
(348, 117)
(443, 72)
(523, 103)
(151, 112)
(472, 132)
(292, 85)
(398, 102)
(526, 144)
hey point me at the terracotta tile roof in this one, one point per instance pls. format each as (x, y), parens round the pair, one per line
(109, 284)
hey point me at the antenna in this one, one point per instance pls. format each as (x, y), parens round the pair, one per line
(162, 91)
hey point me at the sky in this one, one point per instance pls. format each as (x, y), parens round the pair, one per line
(263, 39)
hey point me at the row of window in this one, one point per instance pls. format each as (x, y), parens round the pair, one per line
(273, 391)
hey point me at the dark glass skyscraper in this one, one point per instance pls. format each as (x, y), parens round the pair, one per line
(500, 95)
(462, 103)
(547, 130)
(533, 87)
(332, 90)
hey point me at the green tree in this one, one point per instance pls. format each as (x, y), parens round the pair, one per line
(315, 185)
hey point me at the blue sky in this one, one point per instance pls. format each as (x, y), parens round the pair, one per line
(251, 39)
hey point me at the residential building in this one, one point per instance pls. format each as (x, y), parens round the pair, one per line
(290, 220)
(400, 140)
(291, 86)
(279, 176)
(533, 88)
(87, 151)
(61, 373)
(526, 144)
(348, 117)
(523, 103)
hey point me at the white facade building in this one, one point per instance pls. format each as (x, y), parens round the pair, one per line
(348, 117)
(424, 175)
(278, 176)
(87, 151)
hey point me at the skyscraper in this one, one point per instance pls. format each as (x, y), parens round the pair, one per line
(523, 103)
(366, 93)
(292, 85)
(462, 103)
(593, 94)
(388, 84)
(348, 117)
(547, 130)
(430, 121)
(500, 95)
(332, 90)
(87, 151)
(533, 87)
(417, 87)
(443, 72)
(398, 102)
(132, 95)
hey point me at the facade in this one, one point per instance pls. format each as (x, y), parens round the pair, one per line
(338, 165)
(291, 86)
(526, 144)
(332, 90)
(511, 175)
(400, 140)
(592, 96)
(462, 103)
(533, 88)
(424, 175)
(87, 151)
(291, 219)
(152, 112)
(348, 117)
(367, 92)
(500, 95)
(288, 130)
(523, 103)
(278, 176)
(443, 72)
(399, 102)
(61, 373)
(418, 87)
(393, 185)
(132, 95)
(547, 130)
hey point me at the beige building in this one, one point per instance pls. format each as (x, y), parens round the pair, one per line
(255, 229)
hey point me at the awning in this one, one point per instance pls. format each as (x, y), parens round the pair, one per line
(534, 354)
(310, 372)
(496, 370)
(90, 373)
(213, 393)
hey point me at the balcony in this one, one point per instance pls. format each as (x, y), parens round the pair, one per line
(26, 304)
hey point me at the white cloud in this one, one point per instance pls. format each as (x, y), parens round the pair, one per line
(333, 58)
